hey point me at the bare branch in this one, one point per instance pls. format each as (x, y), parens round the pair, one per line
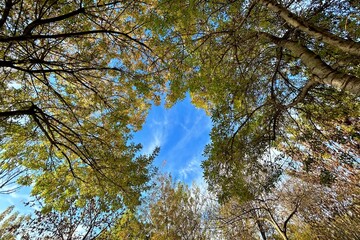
(39, 22)
(21, 38)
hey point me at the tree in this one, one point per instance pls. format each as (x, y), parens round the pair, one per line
(280, 81)
(128, 226)
(76, 78)
(11, 223)
(171, 210)
(275, 76)
(295, 209)
(175, 211)
(86, 222)
(268, 215)
(331, 212)
(8, 177)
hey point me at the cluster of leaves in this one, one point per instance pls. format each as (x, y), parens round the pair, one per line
(295, 210)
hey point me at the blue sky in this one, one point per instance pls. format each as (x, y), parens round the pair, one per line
(181, 132)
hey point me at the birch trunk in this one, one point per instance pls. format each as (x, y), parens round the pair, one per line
(345, 45)
(322, 72)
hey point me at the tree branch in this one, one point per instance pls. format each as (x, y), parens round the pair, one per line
(322, 72)
(345, 45)
(290, 216)
(39, 22)
(301, 96)
(277, 228)
(22, 38)
(29, 111)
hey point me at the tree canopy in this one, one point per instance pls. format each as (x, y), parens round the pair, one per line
(275, 76)
(280, 80)
(76, 79)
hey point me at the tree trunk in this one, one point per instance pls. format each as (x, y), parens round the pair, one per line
(322, 72)
(345, 45)
(259, 224)
(261, 229)
(277, 228)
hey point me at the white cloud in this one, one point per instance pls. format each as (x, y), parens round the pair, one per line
(181, 133)
(193, 130)
(156, 141)
(191, 169)
(17, 199)
(158, 134)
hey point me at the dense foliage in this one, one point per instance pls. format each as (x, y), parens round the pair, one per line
(74, 84)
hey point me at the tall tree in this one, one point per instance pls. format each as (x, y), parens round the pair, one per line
(267, 72)
(85, 222)
(280, 80)
(11, 223)
(295, 210)
(128, 226)
(175, 211)
(171, 210)
(76, 77)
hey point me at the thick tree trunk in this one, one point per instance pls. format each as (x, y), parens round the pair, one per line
(322, 72)
(345, 45)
